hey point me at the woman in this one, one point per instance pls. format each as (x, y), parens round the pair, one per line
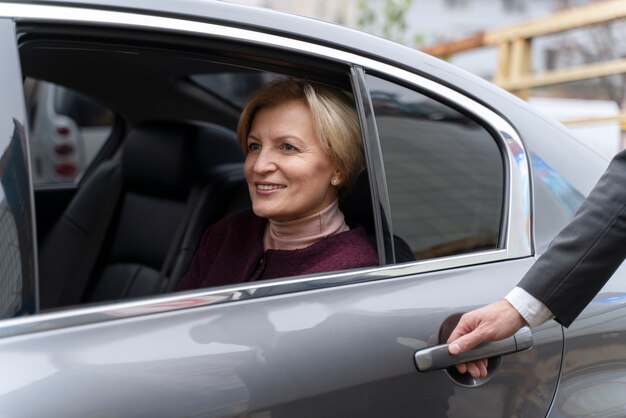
(302, 148)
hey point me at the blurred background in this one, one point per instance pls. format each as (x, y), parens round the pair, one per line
(565, 57)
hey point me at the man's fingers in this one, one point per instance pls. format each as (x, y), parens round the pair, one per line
(456, 334)
(461, 368)
(482, 367)
(476, 368)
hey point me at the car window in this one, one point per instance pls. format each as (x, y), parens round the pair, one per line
(178, 170)
(67, 129)
(234, 87)
(444, 173)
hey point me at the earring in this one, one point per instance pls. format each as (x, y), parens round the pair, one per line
(334, 181)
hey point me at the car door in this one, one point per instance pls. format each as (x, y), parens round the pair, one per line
(337, 344)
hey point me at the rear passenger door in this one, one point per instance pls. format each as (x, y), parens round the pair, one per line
(339, 344)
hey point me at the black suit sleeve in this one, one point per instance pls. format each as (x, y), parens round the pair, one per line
(584, 255)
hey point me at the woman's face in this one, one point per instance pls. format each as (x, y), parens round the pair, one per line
(288, 173)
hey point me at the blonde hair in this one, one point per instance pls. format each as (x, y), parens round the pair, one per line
(335, 122)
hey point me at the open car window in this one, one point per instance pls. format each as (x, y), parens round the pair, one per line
(134, 222)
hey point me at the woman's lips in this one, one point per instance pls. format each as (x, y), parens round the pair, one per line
(267, 188)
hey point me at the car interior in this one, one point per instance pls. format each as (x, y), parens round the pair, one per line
(170, 168)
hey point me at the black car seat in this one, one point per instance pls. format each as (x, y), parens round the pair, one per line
(123, 233)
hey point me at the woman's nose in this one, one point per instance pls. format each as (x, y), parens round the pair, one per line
(264, 162)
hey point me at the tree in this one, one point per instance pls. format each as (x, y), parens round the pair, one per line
(388, 19)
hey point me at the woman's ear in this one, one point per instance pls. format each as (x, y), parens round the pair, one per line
(336, 179)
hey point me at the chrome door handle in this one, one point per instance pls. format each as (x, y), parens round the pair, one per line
(437, 357)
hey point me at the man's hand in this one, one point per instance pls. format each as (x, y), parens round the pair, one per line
(493, 322)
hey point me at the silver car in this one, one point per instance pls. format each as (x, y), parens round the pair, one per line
(465, 186)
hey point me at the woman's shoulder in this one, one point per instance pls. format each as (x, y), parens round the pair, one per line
(350, 249)
(355, 238)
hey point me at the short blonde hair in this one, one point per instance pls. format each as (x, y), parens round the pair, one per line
(335, 122)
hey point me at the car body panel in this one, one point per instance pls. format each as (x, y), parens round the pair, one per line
(592, 381)
(343, 351)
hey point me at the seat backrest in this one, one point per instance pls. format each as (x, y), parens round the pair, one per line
(146, 195)
(158, 177)
(71, 248)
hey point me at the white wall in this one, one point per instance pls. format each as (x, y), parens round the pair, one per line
(604, 137)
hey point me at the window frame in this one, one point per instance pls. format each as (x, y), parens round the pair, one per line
(517, 224)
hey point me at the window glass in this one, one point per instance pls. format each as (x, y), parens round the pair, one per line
(444, 173)
(67, 129)
(234, 87)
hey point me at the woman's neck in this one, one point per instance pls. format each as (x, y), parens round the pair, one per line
(301, 233)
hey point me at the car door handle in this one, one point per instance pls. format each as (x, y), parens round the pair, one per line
(438, 357)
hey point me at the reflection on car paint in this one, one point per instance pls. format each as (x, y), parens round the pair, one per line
(569, 197)
(610, 297)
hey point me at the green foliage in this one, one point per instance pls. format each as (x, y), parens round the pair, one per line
(387, 18)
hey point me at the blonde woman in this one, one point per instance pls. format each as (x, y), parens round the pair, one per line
(302, 152)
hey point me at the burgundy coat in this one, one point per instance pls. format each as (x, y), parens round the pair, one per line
(231, 251)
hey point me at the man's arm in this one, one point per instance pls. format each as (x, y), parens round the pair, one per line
(586, 253)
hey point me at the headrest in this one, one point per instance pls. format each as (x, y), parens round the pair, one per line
(156, 158)
(215, 146)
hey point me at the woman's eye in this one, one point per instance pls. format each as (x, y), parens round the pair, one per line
(289, 147)
(254, 147)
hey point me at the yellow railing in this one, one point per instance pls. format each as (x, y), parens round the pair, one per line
(513, 71)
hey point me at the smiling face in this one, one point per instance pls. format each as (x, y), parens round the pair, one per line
(288, 171)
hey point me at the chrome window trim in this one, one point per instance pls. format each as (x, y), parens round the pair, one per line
(517, 239)
(95, 314)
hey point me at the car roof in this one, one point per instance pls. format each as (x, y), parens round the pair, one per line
(265, 20)
(279, 23)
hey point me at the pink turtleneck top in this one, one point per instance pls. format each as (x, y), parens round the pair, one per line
(243, 247)
(301, 233)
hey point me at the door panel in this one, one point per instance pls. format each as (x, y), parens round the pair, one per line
(345, 351)
(593, 381)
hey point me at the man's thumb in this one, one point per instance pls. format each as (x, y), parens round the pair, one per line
(461, 345)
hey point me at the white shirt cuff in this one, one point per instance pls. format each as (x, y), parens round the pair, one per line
(532, 310)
